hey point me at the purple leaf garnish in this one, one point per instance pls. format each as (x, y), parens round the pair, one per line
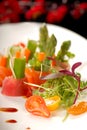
(77, 77)
(66, 72)
(75, 66)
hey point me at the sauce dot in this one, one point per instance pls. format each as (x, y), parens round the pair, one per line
(11, 121)
(28, 128)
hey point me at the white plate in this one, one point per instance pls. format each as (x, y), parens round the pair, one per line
(21, 32)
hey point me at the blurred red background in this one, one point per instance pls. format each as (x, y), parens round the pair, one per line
(71, 14)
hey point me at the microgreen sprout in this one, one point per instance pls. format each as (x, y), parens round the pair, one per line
(76, 76)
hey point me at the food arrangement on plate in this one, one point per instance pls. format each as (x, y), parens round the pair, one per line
(44, 77)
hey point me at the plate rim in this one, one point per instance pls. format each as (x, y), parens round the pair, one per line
(48, 24)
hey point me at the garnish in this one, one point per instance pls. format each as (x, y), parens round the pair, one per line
(66, 84)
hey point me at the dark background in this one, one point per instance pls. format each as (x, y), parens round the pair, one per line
(77, 25)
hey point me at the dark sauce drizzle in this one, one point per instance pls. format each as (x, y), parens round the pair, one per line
(11, 121)
(9, 109)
